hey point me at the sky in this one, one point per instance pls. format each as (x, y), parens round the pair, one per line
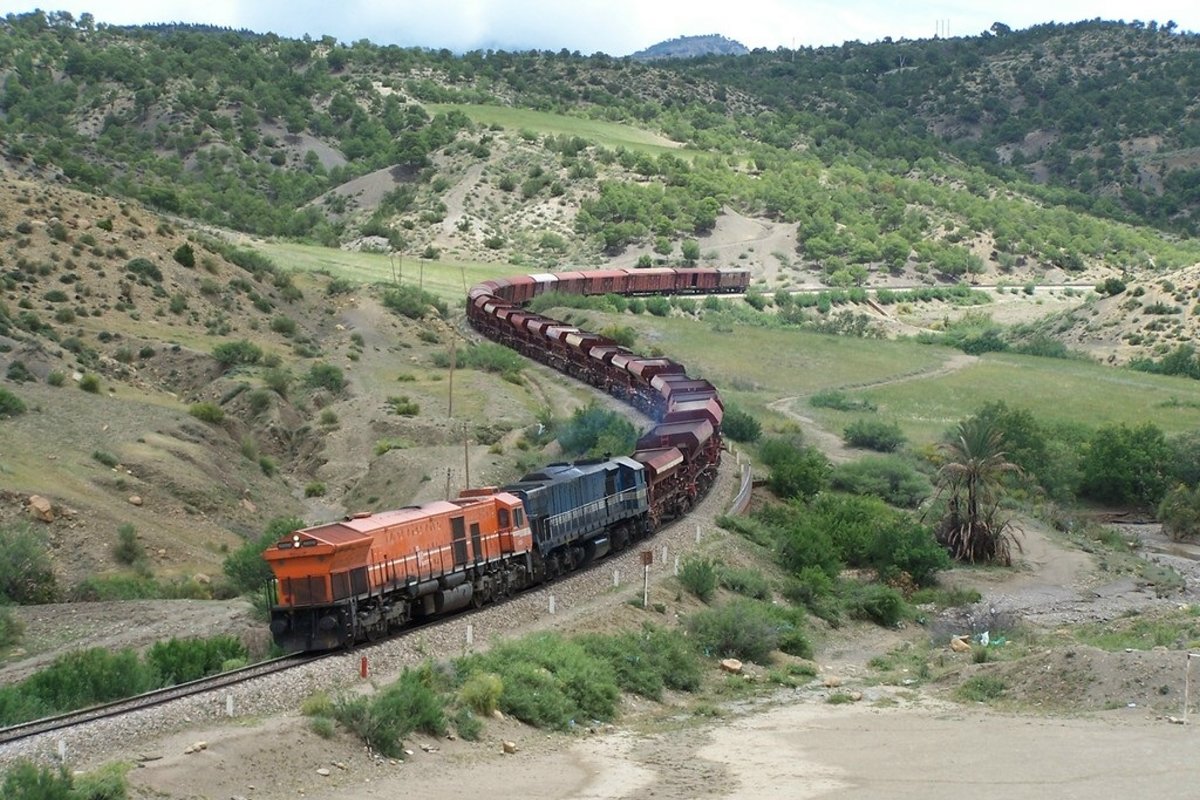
(618, 27)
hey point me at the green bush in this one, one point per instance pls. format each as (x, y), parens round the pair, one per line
(284, 325)
(468, 725)
(182, 660)
(76, 680)
(981, 689)
(747, 582)
(742, 629)
(796, 471)
(18, 372)
(840, 401)
(596, 431)
(404, 407)
(55, 378)
(875, 602)
(658, 306)
(405, 706)
(245, 567)
(10, 404)
(25, 780)
(10, 629)
(90, 382)
(874, 434)
(549, 681)
(184, 255)
(128, 550)
(144, 270)
(481, 692)
(486, 357)
(314, 489)
(740, 426)
(699, 576)
(207, 411)
(648, 661)
(95, 588)
(325, 376)
(412, 302)
(890, 478)
(26, 575)
(231, 354)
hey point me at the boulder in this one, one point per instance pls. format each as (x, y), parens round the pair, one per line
(732, 666)
(135, 499)
(832, 682)
(960, 645)
(323, 772)
(40, 508)
(510, 747)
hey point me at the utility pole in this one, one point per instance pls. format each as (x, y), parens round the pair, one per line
(453, 358)
(466, 456)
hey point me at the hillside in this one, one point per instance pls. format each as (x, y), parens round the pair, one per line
(692, 47)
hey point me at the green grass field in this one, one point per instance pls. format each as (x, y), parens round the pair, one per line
(608, 134)
(448, 279)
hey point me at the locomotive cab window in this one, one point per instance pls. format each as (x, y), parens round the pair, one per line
(502, 517)
(518, 517)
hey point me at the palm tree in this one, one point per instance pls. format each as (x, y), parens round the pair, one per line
(972, 478)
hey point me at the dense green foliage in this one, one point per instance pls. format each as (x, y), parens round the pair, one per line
(796, 471)
(1179, 513)
(10, 404)
(24, 780)
(412, 302)
(596, 431)
(893, 479)
(26, 574)
(874, 434)
(86, 677)
(245, 567)
(740, 425)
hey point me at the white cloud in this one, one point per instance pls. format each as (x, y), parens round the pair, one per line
(619, 27)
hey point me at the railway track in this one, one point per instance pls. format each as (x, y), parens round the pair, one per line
(116, 708)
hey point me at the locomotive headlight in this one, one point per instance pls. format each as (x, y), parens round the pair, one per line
(295, 540)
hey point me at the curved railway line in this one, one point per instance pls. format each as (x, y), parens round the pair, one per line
(631, 391)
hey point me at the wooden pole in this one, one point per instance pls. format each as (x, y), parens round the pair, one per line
(466, 456)
(453, 358)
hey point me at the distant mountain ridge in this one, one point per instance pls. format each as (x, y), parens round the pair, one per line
(712, 44)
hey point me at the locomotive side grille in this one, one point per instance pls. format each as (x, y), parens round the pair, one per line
(306, 591)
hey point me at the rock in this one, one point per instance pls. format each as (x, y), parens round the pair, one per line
(732, 666)
(510, 747)
(202, 579)
(339, 765)
(201, 745)
(323, 772)
(237, 797)
(856, 696)
(249, 506)
(498, 714)
(135, 499)
(832, 682)
(187, 751)
(959, 645)
(40, 508)
(162, 553)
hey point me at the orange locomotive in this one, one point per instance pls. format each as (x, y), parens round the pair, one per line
(343, 582)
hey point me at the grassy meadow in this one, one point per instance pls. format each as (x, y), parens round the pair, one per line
(608, 134)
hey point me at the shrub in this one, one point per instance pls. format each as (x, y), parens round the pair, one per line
(874, 434)
(25, 780)
(26, 575)
(481, 692)
(144, 270)
(10, 404)
(178, 303)
(875, 602)
(699, 576)
(278, 380)
(549, 681)
(207, 411)
(403, 407)
(740, 426)
(748, 582)
(658, 306)
(314, 489)
(231, 354)
(740, 629)
(795, 471)
(90, 382)
(55, 378)
(325, 376)
(468, 725)
(321, 726)
(128, 550)
(267, 466)
(10, 629)
(981, 689)
(595, 431)
(184, 255)
(245, 567)
(181, 660)
(1179, 513)
(382, 721)
(284, 325)
(840, 401)
(412, 302)
(338, 286)
(648, 661)
(17, 371)
(889, 478)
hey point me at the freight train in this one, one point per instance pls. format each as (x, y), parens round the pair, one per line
(356, 580)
